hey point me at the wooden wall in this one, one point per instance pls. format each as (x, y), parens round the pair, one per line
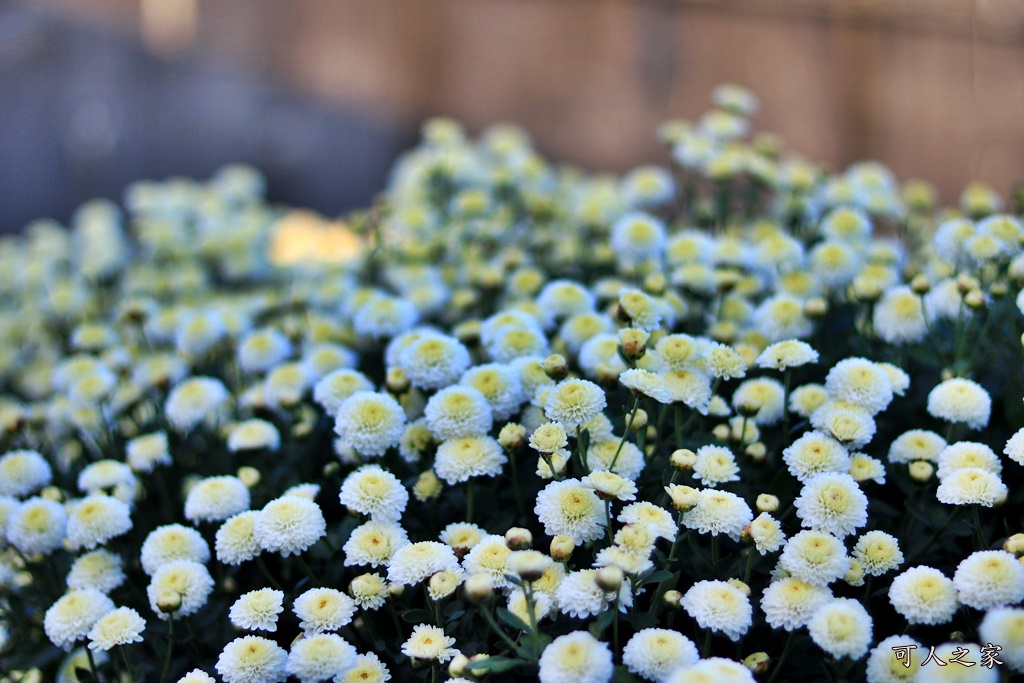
(934, 88)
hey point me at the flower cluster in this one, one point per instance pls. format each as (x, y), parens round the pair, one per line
(536, 424)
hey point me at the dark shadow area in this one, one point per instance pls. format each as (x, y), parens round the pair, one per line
(84, 111)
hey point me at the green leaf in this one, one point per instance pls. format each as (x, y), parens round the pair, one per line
(512, 620)
(84, 675)
(622, 675)
(418, 616)
(495, 664)
(601, 624)
(657, 577)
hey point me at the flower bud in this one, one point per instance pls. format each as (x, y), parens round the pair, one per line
(639, 420)
(633, 343)
(608, 374)
(1014, 544)
(758, 662)
(457, 667)
(250, 476)
(331, 468)
(479, 588)
(555, 366)
(920, 284)
(975, 300)
(530, 565)
(168, 601)
(396, 381)
(561, 548)
(427, 486)
(747, 409)
(609, 579)
(855, 574)
(395, 590)
(757, 451)
(740, 586)
(478, 671)
(966, 283)
(683, 497)
(866, 289)
(518, 538)
(683, 459)
(442, 584)
(921, 471)
(766, 502)
(672, 598)
(512, 437)
(815, 308)
(655, 284)
(53, 493)
(721, 432)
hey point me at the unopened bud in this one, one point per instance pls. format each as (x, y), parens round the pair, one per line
(999, 289)
(331, 468)
(921, 471)
(518, 538)
(555, 366)
(655, 284)
(633, 343)
(609, 579)
(512, 437)
(758, 662)
(530, 565)
(442, 584)
(740, 586)
(427, 486)
(1014, 544)
(397, 382)
(920, 284)
(479, 588)
(639, 420)
(683, 497)
(250, 476)
(683, 459)
(168, 601)
(855, 574)
(721, 432)
(479, 671)
(608, 374)
(562, 547)
(457, 667)
(757, 451)
(866, 289)
(766, 502)
(747, 409)
(975, 300)
(395, 590)
(966, 283)
(673, 598)
(815, 308)
(229, 585)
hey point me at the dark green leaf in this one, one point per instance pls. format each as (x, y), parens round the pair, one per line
(657, 577)
(512, 620)
(418, 616)
(495, 664)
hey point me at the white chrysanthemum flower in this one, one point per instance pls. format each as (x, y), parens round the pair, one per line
(971, 486)
(719, 606)
(372, 490)
(960, 400)
(806, 399)
(416, 562)
(433, 360)
(22, 472)
(781, 317)
(183, 578)
(257, 610)
(579, 596)
(370, 422)
(289, 525)
(924, 595)
(865, 468)
(320, 657)
(677, 352)
(815, 557)
(629, 460)
(429, 643)
(638, 236)
(194, 401)
(253, 435)
(723, 362)
(499, 384)
(100, 570)
(815, 453)
(144, 453)
(712, 670)
(718, 512)
(458, 411)
(570, 508)
(489, 556)
(71, 617)
(609, 485)
(847, 423)
(38, 525)
(878, 552)
(199, 332)
(789, 603)
(1005, 626)
(367, 669)
(964, 454)
(642, 311)
(1014, 448)
(646, 383)
(96, 519)
(658, 520)
(516, 341)
(173, 542)
(323, 609)
(573, 402)
(956, 670)
(576, 657)
(121, 626)
(549, 437)
(899, 379)
(332, 390)
(580, 328)
(458, 459)
(916, 444)
(252, 659)
(861, 382)
(715, 465)
(197, 676)
(899, 317)
(263, 349)
(897, 659)
(235, 541)
(766, 533)
(374, 543)
(216, 498)
(517, 605)
(989, 578)
(832, 502)
(369, 591)
(462, 535)
(653, 653)
(841, 627)
(565, 297)
(384, 317)
(599, 356)
(783, 355)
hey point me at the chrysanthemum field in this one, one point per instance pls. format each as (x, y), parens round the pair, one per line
(731, 418)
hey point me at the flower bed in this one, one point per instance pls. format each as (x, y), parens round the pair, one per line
(736, 420)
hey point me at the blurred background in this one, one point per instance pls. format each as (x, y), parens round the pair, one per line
(322, 95)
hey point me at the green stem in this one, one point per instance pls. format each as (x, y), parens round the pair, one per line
(504, 636)
(469, 500)
(528, 593)
(127, 663)
(982, 543)
(750, 565)
(714, 554)
(706, 649)
(306, 570)
(92, 664)
(266, 573)
(170, 648)
(785, 408)
(625, 433)
(782, 659)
